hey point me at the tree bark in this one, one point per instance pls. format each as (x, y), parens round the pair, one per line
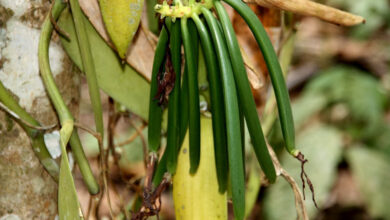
(26, 190)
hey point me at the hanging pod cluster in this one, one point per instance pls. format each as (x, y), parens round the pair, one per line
(231, 98)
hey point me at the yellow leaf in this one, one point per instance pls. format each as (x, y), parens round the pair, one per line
(121, 19)
(197, 196)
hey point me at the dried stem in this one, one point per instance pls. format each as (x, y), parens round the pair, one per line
(89, 207)
(151, 203)
(299, 200)
(310, 8)
(304, 175)
(132, 137)
(144, 145)
(90, 131)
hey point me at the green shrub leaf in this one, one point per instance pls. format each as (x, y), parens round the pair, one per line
(119, 81)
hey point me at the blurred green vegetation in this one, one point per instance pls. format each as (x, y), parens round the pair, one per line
(342, 119)
(376, 13)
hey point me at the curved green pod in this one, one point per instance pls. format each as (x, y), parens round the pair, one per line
(173, 134)
(193, 97)
(277, 79)
(246, 99)
(184, 111)
(236, 163)
(184, 108)
(217, 104)
(155, 110)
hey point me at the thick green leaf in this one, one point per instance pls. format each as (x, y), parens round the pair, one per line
(118, 80)
(371, 170)
(68, 203)
(322, 145)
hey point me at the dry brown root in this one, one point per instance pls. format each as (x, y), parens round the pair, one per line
(304, 176)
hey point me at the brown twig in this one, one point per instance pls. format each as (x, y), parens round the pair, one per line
(103, 168)
(113, 119)
(132, 137)
(90, 131)
(92, 206)
(89, 207)
(299, 201)
(151, 203)
(103, 158)
(150, 170)
(144, 145)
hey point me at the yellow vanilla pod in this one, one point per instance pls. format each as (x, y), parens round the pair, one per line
(121, 19)
(197, 196)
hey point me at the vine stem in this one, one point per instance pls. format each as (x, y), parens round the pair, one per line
(88, 64)
(33, 129)
(63, 112)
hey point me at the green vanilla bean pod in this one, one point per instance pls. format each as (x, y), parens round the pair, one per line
(242, 129)
(173, 134)
(161, 169)
(194, 37)
(155, 110)
(245, 95)
(236, 164)
(62, 110)
(217, 104)
(184, 108)
(277, 79)
(193, 95)
(36, 136)
(89, 67)
(184, 89)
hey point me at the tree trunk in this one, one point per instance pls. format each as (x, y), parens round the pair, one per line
(26, 190)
